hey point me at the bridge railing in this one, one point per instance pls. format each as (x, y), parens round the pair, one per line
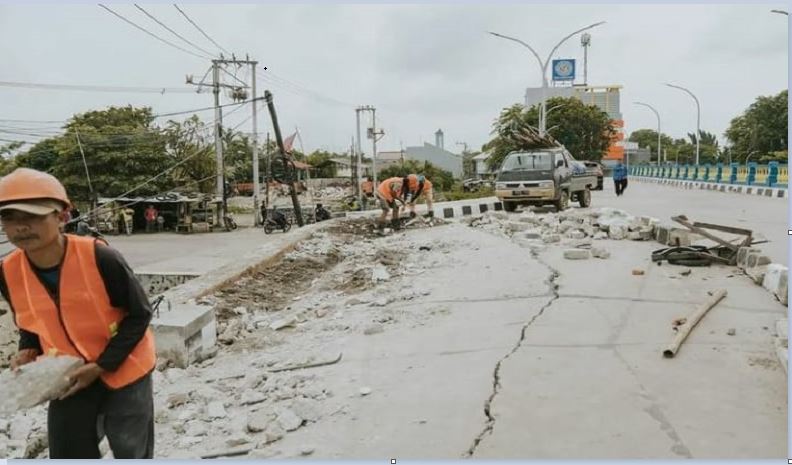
(773, 174)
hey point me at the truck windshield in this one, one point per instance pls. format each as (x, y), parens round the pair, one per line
(528, 161)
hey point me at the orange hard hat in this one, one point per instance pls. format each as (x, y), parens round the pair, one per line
(29, 184)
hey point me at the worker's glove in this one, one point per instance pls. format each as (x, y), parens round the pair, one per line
(430, 214)
(412, 215)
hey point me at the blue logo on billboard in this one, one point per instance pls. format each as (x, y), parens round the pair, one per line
(564, 70)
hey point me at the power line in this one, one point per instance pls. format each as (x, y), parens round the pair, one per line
(200, 30)
(95, 88)
(171, 30)
(152, 34)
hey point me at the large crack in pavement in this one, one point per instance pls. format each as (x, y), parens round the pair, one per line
(496, 382)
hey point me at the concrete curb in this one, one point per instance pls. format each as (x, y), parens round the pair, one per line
(448, 210)
(762, 191)
(185, 331)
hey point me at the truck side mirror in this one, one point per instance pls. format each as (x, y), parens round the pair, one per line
(559, 163)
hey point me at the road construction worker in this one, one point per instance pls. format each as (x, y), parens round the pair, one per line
(73, 295)
(413, 186)
(367, 188)
(388, 193)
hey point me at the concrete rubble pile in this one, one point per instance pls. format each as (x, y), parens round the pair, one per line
(576, 229)
(264, 381)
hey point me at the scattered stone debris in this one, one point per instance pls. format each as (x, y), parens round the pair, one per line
(364, 391)
(638, 272)
(598, 252)
(731, 331)
(577, 254)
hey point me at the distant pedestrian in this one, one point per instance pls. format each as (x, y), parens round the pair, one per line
(151, 215)
(160, 223)
(620, 178)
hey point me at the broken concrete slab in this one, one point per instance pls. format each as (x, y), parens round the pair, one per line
(260, 421)
(216, 409)
(598, 252)
(617, 232)
(35, 383)
(551, 238)
(288, 420)
(577, 254)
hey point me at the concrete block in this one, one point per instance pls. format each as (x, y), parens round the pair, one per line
(757, 274)
(551, 238)
(617, 232)
(756, 259)
(742, 256)
(600, 235)
(783, 288)
(773, 278)
(533, 234)
(577, 254)
(499, 215)
(185, 333)
(634, 236)
(576, 234)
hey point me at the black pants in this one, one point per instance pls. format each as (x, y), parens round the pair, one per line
(76, 425)
(621, 185)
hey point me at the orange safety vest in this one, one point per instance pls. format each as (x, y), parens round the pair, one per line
(390, 187)
(413, 184)
(84, 321)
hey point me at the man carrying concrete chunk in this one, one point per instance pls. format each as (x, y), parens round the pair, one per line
(73, 295)
(388, 193)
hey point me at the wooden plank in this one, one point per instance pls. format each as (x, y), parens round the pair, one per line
(692, 320)
(682, 220)
(726, 229)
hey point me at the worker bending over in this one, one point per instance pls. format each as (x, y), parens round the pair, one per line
(388, 193)
(413, 186)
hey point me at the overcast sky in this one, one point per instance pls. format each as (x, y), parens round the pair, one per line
(423, 67)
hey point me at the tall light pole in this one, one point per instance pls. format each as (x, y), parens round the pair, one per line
(659, 152)
(698, 118)
(543, 66)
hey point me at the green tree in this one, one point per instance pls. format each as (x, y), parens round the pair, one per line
(647, 138)
(42, 156)
(584, 130)
(761, 131)
(123, 150)
(190, 146)
(442, 180)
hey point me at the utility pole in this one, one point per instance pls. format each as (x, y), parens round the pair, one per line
(289, 174)
(372, 133)
(256, 185)
(220, 188)
(359, 156)
(268, 173)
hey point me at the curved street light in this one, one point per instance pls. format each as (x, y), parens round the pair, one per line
(543, 66)
(698, 117)
(659, 151)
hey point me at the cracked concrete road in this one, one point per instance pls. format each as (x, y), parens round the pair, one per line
(589, 380)
(430, 382)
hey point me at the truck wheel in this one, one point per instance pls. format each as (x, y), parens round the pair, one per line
(563, 201)
(509, 206)
(585, 198)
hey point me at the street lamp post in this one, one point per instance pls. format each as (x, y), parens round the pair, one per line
(659, 152)
(698, 118)
(543, 66)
